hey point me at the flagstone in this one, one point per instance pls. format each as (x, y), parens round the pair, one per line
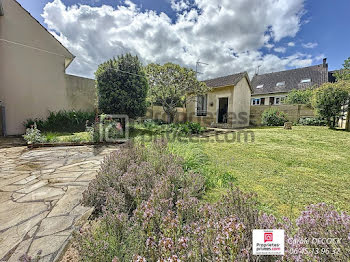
(52, 225)
(12, 213)
(20, 250)
(70, 200)
(33, 187)
(14, 235)
(40, 198)
(48, 245)
(26, 180)
(44, 193)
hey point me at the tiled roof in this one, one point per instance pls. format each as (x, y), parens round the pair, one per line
(229, 80)
(292, 78)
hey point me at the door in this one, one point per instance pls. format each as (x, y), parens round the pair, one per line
(223, 110)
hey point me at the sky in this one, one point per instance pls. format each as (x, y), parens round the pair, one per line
(229, 36)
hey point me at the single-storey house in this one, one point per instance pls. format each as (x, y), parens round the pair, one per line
(227, 104)
(32, 72)
(273, 88)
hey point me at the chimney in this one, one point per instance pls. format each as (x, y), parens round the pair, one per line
(325, 62)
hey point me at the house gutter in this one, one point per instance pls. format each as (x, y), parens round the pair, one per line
(1, 9)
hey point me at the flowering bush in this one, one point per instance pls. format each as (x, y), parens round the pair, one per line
(33, 135)
(149, 209)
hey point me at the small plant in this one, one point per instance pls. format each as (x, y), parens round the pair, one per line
(274, 117)
(312, 121)
(33, 135)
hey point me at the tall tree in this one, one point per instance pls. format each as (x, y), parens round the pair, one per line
(122, 86)
(329, 99)
(172, 85)
(344, 75)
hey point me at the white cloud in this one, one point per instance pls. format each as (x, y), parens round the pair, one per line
(291, 44)
(280, 49)
(310, 45)
(179, 5)
(228, 35)
(269, 46)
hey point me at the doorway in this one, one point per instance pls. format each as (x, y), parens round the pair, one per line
(223, 110)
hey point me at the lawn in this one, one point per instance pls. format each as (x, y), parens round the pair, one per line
(288, 169)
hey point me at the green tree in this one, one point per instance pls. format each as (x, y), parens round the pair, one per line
(328, 101)
(344, 75)
(296, 97)
(122, 86)
(172, 85)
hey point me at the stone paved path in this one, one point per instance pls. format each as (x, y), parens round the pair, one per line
(40, 194)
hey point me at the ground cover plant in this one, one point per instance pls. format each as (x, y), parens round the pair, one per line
(149, 208)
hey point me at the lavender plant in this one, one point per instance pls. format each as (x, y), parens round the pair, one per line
(149, 209)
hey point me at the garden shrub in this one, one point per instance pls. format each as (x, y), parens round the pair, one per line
(122, 86)
(63, 121)
(33, 135)
(149, 209)
(312, 121)
(274, 117)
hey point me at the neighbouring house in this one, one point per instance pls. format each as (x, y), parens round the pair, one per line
(32, 71)
(227, 104)
(273, 88)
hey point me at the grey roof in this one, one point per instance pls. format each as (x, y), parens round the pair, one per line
(229, 80)
(292, 78)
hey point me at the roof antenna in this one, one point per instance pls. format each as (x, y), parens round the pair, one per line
(198, 63)
(257, 71)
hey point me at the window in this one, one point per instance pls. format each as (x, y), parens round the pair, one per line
(260, 86)
(262, 101)
(306, 80)
(255, 101)
(278, 100)
(202, 101)
(281, 83)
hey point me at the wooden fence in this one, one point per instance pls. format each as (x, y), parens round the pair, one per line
(294, 112)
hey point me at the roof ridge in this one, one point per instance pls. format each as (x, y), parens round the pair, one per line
(225, 76)
(300, 68)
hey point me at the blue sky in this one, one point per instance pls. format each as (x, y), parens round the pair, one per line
(301, 34)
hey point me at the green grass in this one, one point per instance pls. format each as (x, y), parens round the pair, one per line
(288, 169)
(56, 137)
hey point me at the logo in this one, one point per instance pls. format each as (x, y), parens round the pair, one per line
(268, 237)
(268, 242)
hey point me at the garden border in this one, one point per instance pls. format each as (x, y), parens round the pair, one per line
(41, 145)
